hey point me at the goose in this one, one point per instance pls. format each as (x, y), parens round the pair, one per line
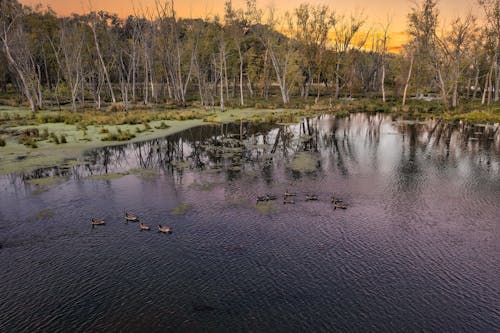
(143, 226)
(131, 217)
(340, 206)
(165, 230)
(311, 197)
(290, 194)
(97, 222)
(261, 198)
(336, 201)
(288, 201)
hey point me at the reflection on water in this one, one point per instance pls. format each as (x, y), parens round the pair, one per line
(418, 243)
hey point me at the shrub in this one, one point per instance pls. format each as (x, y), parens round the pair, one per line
(45, 134)
(162, 126)
(63, 139)
(117, 107)
(120, 136)
(2, 142)
(54, 138)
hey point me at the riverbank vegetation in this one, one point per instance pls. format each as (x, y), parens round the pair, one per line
(247, 57)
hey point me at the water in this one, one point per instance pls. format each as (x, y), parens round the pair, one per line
(416, 250)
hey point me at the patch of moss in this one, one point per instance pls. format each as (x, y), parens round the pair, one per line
(181, 209)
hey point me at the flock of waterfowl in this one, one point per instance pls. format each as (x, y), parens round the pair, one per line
(287, 199)
(133, 218)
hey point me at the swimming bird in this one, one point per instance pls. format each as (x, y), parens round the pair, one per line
(165, 230)
(289, 194)
(143, 226)
(288, 201)
(340, 206)
(97, 222)
(311, 197)
(131, 217)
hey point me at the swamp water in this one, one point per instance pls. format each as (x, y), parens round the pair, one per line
(418, 248)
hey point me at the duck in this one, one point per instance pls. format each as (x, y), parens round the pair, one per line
(165, 229)
(311, 197)
(290, 194)
(131, 217)
(97, 222)
(287, 201)
(143, 226)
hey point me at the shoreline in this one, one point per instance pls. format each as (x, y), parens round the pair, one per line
(16, 158)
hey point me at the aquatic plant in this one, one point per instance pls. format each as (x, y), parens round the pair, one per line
(181, 209)
(304, 162)
(119, 136)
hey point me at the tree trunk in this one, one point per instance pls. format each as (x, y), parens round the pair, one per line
(242, 102)
(408, 78)
(101, 59)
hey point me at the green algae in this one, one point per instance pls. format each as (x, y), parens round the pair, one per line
(181, 209)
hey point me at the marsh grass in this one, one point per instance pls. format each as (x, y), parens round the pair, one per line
(118, 136)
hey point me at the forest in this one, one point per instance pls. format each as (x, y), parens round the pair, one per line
(246, 57)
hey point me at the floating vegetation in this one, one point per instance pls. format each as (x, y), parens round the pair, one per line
(146, 174)
(267, 208)
(304, 162)
(203, 187)
(39, 190)
(43, 214)
(181, 209)
(46, 181)
(107, 176)
(236, 202)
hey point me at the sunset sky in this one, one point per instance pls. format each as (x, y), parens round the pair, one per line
(376, 10)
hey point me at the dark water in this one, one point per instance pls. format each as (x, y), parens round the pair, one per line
(417, 250)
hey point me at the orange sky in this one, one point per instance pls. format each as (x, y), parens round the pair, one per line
(376, 10)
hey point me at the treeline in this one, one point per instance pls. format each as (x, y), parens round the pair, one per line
(247, 54)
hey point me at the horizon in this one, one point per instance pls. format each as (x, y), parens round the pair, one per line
(376, 11)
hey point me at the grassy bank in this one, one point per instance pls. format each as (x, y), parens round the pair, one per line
(48, 138)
